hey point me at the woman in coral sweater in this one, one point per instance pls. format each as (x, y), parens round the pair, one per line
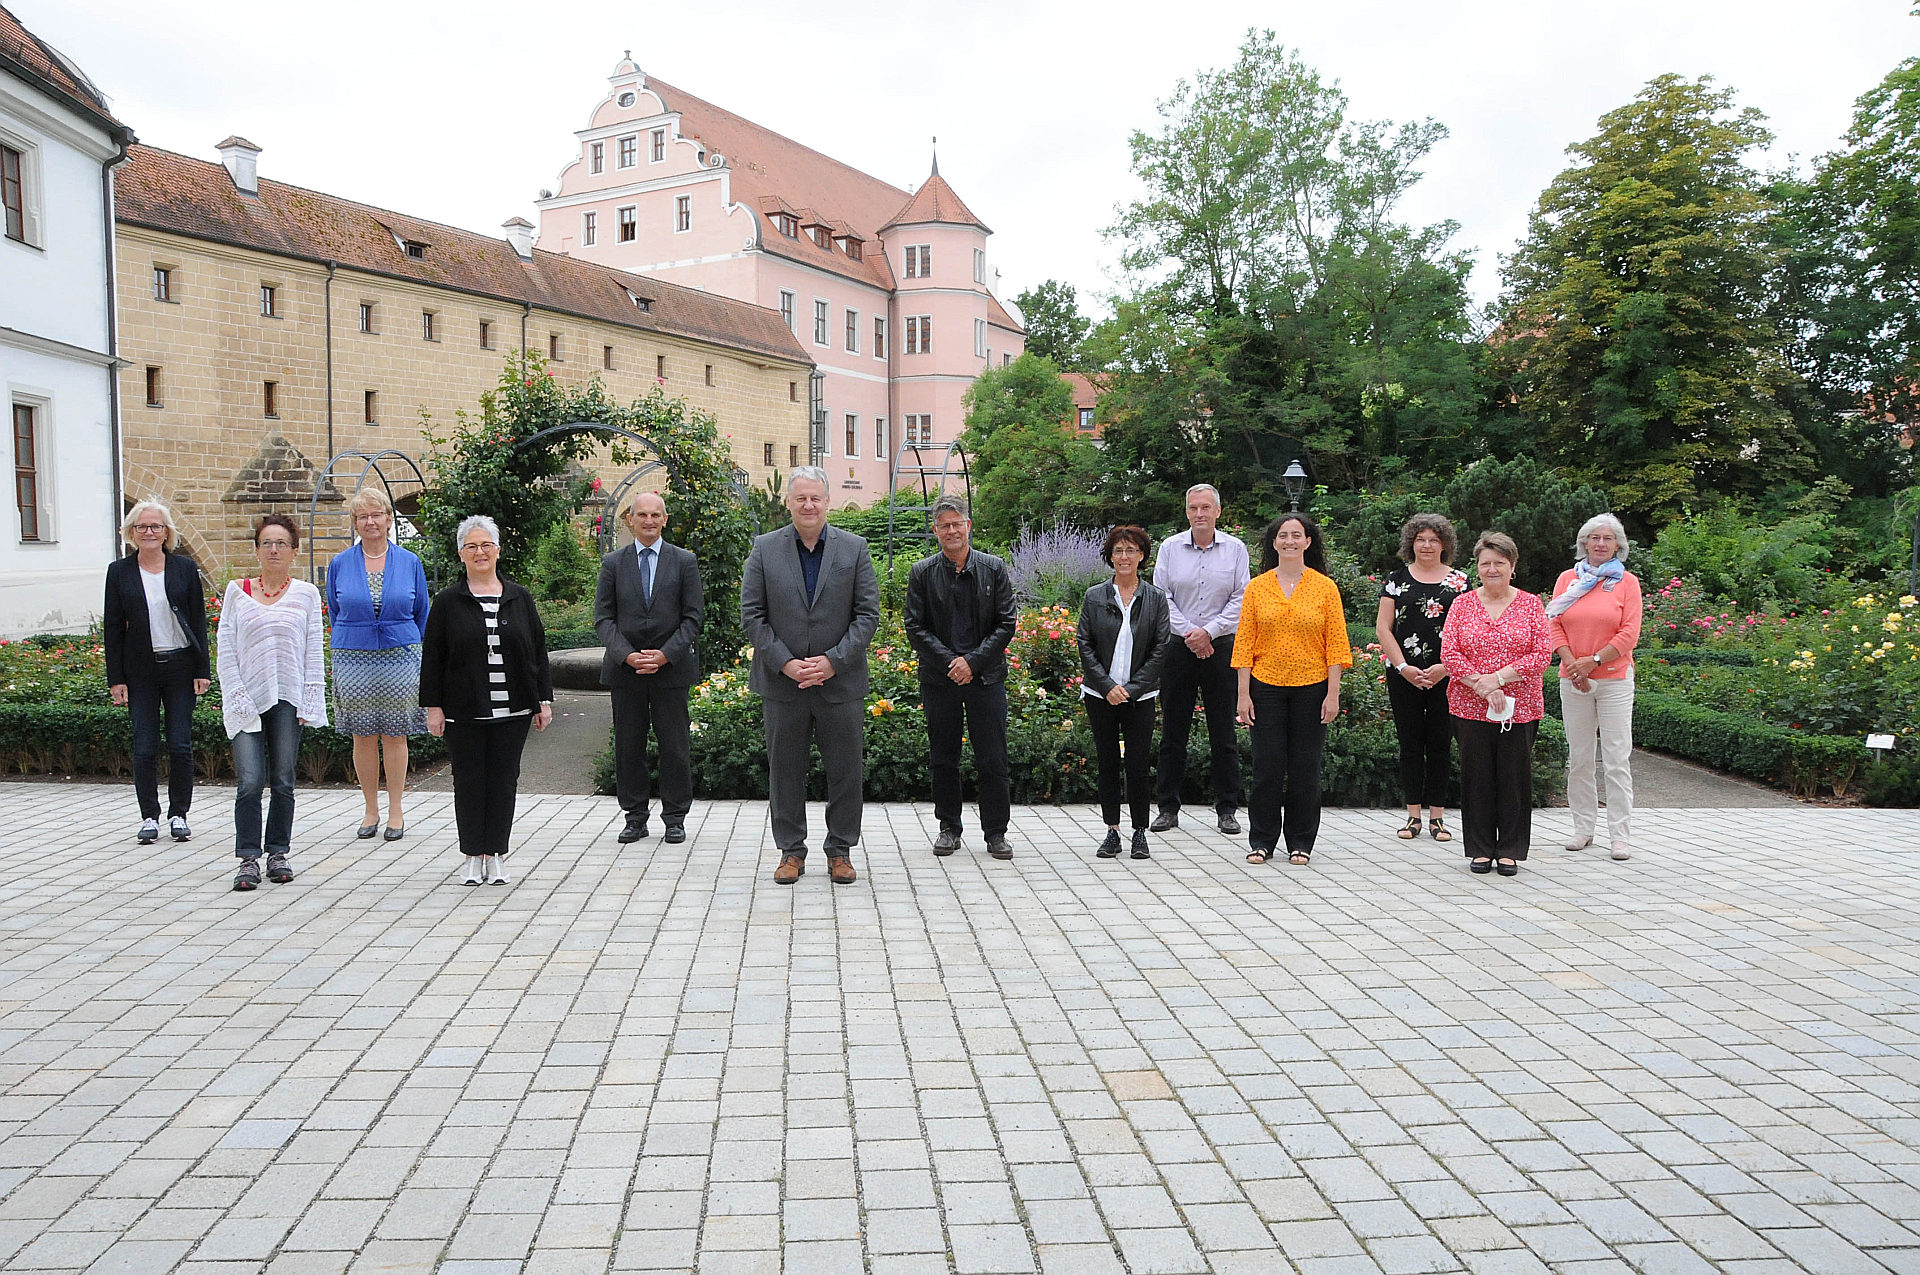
(1593, 624)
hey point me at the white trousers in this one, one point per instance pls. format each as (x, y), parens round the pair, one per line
(1602, 716)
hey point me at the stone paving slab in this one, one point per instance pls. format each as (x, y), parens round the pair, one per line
(651, 1058)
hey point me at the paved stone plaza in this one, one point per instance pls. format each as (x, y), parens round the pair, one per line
(656, 1059)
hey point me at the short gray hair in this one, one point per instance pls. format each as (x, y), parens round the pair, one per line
(1204, 487)
(472, 521)
(948, 505)
(1607, 521)
(149, 507)
(370, 497)
(812, 473)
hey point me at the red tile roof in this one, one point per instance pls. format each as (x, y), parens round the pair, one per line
(773, 173)
(174, 193)
(934, 201)
(38, 62)
(997, 315)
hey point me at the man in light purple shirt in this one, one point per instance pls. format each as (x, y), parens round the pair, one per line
(1204, 574)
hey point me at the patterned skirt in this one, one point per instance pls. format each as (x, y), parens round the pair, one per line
(378, 692)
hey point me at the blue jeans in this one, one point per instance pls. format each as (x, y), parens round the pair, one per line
(265, 758)
(171, 687)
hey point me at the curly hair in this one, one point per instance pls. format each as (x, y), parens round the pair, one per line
(1440, 525)
(1126, 533)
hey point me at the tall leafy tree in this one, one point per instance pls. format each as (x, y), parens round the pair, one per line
(1635, 331)
(1055, 326)
(1029, 467)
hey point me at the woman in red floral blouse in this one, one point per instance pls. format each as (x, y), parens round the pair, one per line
(1495, 648)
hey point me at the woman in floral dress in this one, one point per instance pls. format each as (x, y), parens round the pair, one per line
(1413, 608)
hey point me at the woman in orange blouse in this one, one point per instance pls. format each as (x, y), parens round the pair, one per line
(1290, 650)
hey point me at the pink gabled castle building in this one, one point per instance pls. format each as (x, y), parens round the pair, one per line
(888, 290)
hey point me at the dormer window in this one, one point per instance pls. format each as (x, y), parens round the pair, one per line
(821, 236)
(640, 303)
(787, 224)
(849, 245)
(415, 249)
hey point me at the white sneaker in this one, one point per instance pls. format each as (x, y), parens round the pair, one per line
(473, 873)
(149, 831)
(496, 869)
(1579, 841)
(1621, 850)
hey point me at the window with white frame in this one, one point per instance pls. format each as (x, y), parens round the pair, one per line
(426, 325)
(819, 323)
(589, 228)
(919, 261)
(269, 301)
(853, 434)
(13, 191)
(853, 332)
(597, 158)
(1006, 360)
(683, 213)
(1086, 420)
(919, 334)
(366, 316)
(882, 445)
(629, 151)
(919, 428)
(979, 265)
(979, 338)
(27, 426)
(786, 307)
(787, 224)
(162, 283)
(659, 144)
(629, 223)
(879, 337)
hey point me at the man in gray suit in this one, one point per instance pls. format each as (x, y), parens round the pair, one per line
(810, 602)
(646, 611)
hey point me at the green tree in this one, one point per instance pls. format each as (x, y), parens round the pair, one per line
(1055, 326)
(1635, 332)
(1539, 508)
(1029, 467)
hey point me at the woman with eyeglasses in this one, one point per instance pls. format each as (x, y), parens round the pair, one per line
(377, 596)
(483, 681)
(273, 681)
(156, 640)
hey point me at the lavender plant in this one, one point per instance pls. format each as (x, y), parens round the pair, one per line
(1056, 567)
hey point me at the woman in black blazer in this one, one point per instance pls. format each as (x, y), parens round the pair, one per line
(1123, 634)
(483, 680)
(156, 639)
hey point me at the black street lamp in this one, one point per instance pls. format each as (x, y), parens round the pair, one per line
(1296, 480)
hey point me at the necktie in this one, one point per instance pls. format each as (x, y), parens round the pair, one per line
(646, 578)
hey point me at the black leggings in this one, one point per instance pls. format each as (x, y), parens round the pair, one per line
(1132, 721)
(485, 757)
(1425, 728)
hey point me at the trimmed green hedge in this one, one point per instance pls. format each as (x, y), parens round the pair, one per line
(1804, 764)
(97, 739)
(1698, 655)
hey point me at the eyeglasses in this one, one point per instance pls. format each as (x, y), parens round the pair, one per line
(480, 546)
(278, 545)
(151, 529)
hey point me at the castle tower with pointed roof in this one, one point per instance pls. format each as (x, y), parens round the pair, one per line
(887, 288)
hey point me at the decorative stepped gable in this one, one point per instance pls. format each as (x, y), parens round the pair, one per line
(277, 473)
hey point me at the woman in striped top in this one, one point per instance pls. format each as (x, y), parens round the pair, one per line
(273, 681)
(483, 681)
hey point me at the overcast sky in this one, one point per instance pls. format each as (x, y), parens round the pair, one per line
(462, 112)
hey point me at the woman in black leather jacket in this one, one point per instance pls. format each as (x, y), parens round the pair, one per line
(1123, 638)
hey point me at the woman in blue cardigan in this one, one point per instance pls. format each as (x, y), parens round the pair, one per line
(377, 597)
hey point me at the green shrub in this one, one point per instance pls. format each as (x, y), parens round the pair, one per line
(1539, 509)
(1750, 564)
(1802, 762)
(561, 568)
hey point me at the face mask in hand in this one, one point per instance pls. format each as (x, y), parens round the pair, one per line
(1500, 709)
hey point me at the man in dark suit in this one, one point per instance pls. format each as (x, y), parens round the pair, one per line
(810, 602)
(647, 610)
(960, 618)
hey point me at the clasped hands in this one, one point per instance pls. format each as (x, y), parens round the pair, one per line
(1424, 678)
(812, 671)
(1579, 671)
(647, 661)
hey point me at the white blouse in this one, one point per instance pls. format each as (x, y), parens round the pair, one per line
(1121, 671)
(161, 624)
(269, 653)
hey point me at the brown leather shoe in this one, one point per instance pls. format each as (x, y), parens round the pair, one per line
(841, 870)
(791, 866)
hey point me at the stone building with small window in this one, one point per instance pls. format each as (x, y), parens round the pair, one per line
(889, 291)
(266, 328)
(60, 523)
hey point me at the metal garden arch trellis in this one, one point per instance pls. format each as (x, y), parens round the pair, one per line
(370, 468)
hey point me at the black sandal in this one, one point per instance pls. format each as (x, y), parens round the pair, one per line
(1437, 829)
(1259, 854)
(1299, 858)
(1480, 865)
(1412, 829)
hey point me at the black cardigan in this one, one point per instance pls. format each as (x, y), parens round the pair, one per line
(129, 633)
(453, 654)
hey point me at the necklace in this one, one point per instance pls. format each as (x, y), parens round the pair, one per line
(269, 595)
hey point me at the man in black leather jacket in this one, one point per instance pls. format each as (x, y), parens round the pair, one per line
(960, 617)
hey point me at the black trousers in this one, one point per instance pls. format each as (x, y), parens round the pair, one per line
(1288, 739)
(1131, 722)
(172, 687)
(1425, 728)
(638, 705)
(485, 758)
(1496, 788)
(983, 706)
(1218, 687)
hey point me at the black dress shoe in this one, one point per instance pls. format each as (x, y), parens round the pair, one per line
(947, 841)
(1229, 823)
(676, 833)
(635, 829)
(1166, 821)
(394, 833)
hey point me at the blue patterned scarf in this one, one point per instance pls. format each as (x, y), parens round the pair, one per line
(1585, 576)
